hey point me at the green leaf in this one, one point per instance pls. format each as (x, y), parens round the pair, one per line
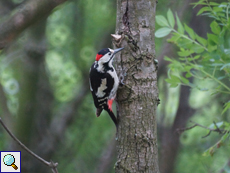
(201, 2)
(162, 32)
(226, 107)
(174, 38)
(215, 28)
(227, 126)
(171, 18)
(211, 48)
(196, 57)
(217, 9)
(225, 136)
(197, 48)
(168, 59)
(201, 40)
(212, 39)
(189, 31)
(214, 3)
(203, 10)
(169, 81)
(173, 85)
(185, 52)
(184, 80)
(188, 75)
(188, 68)
(161, 20)
(180, 26)
(185, 43)
(175, 79)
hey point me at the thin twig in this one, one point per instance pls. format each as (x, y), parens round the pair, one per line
(207, 134)
(181, 130)
(217, 128)
(220, 131)
(51, 164)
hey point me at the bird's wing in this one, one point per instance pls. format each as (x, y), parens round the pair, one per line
(101, 84)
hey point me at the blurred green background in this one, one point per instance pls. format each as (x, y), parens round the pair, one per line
(47, 103)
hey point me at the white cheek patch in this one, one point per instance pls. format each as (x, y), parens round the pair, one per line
(105, 58)
(102, 87)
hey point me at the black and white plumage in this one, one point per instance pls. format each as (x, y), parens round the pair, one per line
(104, 82)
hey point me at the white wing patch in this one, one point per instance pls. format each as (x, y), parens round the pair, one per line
(90, 81)
(90, 85)
(102, 87)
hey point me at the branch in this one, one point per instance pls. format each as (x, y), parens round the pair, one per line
(220, 131)
(24, 16)
(51, 164)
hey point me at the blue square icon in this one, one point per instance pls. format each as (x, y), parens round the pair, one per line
(10, 161)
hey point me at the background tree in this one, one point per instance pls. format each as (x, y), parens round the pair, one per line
(169, 140)
(167, 168)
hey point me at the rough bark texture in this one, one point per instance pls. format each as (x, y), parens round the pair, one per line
(138, 98)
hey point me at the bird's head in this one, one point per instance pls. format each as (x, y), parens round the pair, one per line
(106, 55)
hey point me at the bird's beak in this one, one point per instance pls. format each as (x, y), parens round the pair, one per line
(117, 50)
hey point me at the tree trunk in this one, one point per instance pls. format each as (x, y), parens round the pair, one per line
(138, 98)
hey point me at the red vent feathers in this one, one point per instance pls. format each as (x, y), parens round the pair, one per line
(98, 57)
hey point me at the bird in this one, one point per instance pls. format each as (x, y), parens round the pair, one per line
(104, 82)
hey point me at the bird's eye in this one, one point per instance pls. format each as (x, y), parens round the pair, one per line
(110, 53)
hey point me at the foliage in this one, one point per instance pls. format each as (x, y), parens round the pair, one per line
(74, 32)
(204, 59)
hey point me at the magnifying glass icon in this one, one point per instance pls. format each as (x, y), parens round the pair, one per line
(9, 160)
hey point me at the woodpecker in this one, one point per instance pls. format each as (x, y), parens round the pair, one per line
(104, 82)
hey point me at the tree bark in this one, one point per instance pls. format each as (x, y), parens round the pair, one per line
(138, 98)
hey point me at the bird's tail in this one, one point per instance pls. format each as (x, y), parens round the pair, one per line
(98, 112)
(112, 116)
